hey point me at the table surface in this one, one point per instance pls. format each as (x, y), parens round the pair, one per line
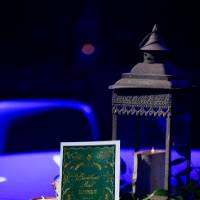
(25, 176)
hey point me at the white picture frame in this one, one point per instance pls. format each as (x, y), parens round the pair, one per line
(114, 143)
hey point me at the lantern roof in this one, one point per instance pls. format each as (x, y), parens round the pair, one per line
(154, 42)
(156, 71)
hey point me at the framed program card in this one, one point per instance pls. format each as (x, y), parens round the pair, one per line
(90, 170)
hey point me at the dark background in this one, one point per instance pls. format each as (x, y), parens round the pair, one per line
(41, 41)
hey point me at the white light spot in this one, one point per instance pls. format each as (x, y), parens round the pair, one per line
(56, 159)
(152, 150)
(2, 179)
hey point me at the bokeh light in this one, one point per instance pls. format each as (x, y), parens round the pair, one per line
(88, 49)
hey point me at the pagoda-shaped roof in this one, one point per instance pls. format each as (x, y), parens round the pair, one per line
(154, 42)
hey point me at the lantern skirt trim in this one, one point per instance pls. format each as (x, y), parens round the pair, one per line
(147, 105)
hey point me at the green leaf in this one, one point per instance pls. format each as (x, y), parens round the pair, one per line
(179, 198)
(184, 172)
(149, 196)
(178, 161)
(197, 195)
(161, 192)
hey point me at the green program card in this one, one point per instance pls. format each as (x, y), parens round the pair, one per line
(90, 170)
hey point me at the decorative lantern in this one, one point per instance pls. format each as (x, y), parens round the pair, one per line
(153, 88)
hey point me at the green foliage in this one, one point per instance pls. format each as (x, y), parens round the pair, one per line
(157, 193)
(190, 191)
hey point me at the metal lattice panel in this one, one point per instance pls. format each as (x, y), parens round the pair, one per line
(148, 105)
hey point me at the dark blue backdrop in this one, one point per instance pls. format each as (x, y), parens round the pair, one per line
(41, 42)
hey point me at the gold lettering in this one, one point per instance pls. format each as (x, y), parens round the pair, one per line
(88, 184)
(83, 177)
(88, 192)
(68, 197)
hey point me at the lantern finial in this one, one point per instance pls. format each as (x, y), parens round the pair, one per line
(155, 42)
(155, 28)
